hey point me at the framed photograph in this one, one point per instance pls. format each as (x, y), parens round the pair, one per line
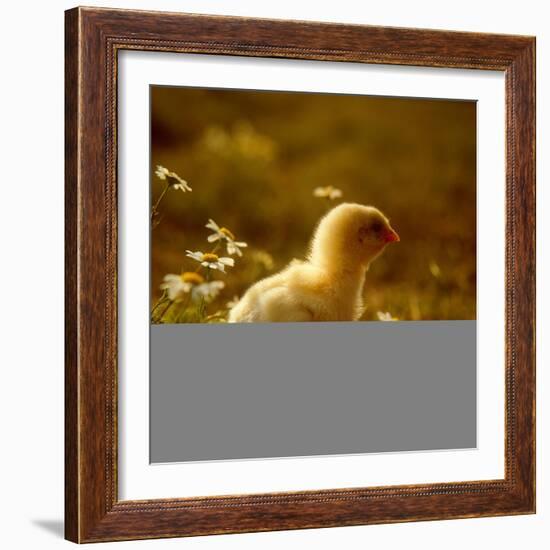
(300, 275)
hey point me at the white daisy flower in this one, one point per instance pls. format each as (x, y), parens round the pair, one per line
(178, 286)
(208, 291)
(172, 179)
(210, 260)
(385, 316)
(233, 302)
(224, 234)
(234, 247)
(328, 192)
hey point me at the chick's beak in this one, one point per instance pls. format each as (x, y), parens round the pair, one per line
(391, 236)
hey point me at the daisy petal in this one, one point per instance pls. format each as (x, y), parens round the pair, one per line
(212, 225)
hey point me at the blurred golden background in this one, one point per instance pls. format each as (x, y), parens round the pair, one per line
(254, 158)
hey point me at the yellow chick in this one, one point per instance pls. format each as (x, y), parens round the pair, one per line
(328, 286)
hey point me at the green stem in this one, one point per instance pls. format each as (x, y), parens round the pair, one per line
(202, 308)
(154, 210)
(160, 301)
(170, 303)
(183, 309)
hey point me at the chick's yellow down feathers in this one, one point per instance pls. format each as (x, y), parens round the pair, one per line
(328, 285)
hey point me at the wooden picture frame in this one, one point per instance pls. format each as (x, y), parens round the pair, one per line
(93, 511)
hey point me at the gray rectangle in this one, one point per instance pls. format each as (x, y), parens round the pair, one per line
(280, 390)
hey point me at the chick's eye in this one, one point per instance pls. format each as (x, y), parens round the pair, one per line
(376, 227)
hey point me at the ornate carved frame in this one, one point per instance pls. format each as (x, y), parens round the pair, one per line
(93, 39)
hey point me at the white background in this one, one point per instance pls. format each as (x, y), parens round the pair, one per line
(32, 244)
(141, 480)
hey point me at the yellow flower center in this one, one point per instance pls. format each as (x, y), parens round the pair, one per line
(191, 277)
(227, 233)
(209, 257)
